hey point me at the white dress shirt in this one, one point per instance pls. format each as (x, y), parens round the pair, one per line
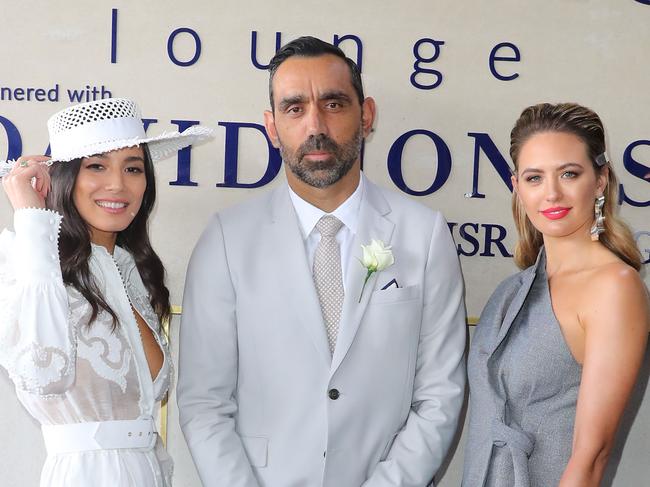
(347, 212)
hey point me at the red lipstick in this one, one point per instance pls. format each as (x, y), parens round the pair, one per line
(555, 213)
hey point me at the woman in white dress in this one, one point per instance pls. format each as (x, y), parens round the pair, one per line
(82, 296)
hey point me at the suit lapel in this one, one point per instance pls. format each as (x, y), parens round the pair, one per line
(372, 225)
(286, 240)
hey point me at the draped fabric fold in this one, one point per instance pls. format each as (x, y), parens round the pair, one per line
(524, 386)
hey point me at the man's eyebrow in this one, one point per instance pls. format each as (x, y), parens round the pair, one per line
(290, 100)
(335, 95)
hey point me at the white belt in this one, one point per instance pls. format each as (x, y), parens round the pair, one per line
(101, 435)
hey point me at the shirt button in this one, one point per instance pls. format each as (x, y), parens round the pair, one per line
(51, 221)
(333, 394)
(51, 238)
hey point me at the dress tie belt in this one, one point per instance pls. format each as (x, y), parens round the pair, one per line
(100, 435)
(521, 446)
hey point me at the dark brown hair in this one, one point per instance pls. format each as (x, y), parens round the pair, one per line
(74, 241)
(308, 46)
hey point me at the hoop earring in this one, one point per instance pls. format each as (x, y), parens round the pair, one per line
(599, 220)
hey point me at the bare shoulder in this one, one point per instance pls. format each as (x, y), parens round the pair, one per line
(615, 295)
(614, 279)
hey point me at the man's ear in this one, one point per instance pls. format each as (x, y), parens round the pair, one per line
(368, 109)
(269, 124)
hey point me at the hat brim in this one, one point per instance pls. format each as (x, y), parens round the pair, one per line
(160, 146)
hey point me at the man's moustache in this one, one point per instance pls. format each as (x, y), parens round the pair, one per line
(317, 143)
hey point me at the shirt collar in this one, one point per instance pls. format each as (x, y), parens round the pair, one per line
(122, 258)
(347, 212)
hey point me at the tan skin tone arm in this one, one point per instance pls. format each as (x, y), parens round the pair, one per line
(616, 320)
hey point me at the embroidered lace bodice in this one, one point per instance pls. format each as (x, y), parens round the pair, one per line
(64, 370)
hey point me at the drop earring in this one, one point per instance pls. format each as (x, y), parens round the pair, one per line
(599, 220)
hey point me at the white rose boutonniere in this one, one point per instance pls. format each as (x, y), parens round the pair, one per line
(376, 257)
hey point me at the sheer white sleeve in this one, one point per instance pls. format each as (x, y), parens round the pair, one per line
(37, 339)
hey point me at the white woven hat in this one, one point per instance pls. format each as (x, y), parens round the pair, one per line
(105, 125)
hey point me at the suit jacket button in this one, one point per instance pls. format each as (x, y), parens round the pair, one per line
(333, 394)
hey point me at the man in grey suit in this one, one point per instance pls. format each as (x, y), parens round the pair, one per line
(293, 373)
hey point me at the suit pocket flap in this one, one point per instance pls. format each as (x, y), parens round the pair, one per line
(256, 449)
(395, 294)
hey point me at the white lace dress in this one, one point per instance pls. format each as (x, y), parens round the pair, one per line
(66, 372)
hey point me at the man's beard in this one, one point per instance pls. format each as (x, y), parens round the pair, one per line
(321, 174)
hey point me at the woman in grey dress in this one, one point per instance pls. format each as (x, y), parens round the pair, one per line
(558, 347)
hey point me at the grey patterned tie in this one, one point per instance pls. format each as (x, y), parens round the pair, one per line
(328, 277)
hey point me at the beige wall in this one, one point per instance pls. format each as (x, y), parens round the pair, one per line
(590, 51)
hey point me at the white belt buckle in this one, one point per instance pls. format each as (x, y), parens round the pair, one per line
(100, 435)
(128, 434)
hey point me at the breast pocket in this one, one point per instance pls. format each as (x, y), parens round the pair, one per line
(395, 295)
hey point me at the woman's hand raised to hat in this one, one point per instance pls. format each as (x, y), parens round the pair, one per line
(28, 182)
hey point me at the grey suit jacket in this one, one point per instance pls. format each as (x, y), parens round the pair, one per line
(256, 379)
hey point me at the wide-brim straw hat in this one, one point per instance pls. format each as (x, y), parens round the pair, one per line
(106, 125)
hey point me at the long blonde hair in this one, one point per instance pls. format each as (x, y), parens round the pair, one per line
(585, 124)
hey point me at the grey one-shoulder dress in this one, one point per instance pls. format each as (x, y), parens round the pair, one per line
(524, 386)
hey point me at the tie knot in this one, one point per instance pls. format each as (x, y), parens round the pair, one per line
(328, 225)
